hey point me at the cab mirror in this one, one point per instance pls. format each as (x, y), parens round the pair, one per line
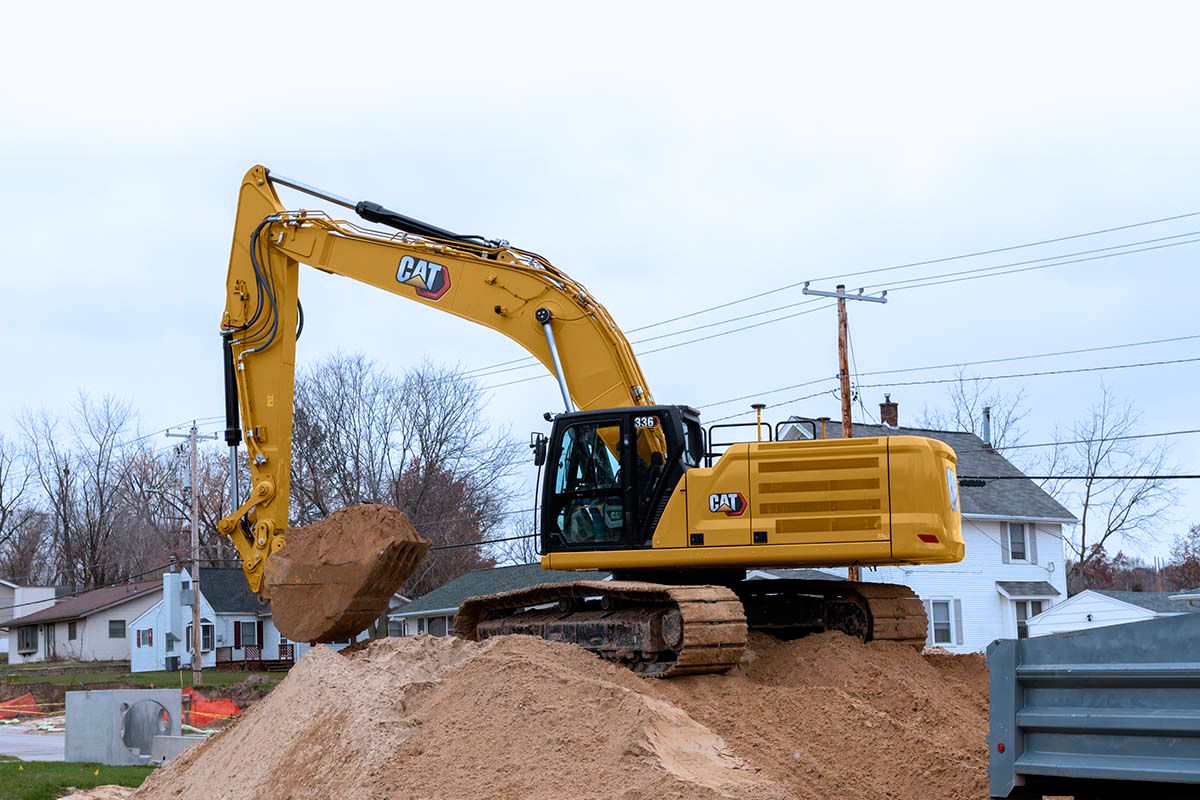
(538, 444)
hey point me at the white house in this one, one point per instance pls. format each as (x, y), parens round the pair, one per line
(89, 626)
(234, 625)
(1098, 608)
(1013, 567)
(20, 601)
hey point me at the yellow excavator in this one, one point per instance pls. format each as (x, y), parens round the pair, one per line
(630, 486)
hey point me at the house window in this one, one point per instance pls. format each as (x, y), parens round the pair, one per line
(1016, 541)
(71, 631)
(206, 636)
(421, 625)
(116, 629)
(249, 634)
(1025, 610)
(170, 645)
(943, 633)
(27, 639)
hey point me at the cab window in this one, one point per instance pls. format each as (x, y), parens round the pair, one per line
(589, 499)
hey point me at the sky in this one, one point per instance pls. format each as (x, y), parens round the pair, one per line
(671, 157)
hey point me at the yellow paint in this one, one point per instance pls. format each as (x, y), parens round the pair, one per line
(829, 502)
(824, 503)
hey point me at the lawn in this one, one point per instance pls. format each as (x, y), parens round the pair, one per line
(46, 780)
(156, 680)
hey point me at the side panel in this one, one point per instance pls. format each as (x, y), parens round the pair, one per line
(1118, 704)
(821, 492)
(718, 500)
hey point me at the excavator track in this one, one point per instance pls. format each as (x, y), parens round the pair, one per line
(654, 629)
(870, 611)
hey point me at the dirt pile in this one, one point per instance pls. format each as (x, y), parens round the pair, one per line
(516, 718)
(334, 578)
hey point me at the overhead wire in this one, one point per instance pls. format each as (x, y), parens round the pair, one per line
(528, 362)
(927, 262)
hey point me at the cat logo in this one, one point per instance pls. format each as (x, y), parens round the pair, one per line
(732, 505)
(429, 279)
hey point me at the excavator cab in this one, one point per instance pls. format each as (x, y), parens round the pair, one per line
(610, 474)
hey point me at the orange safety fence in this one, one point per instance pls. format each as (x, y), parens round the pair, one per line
(207, 710)
(25, 704)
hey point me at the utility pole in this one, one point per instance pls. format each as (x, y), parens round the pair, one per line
(844, 358)
(193, 437)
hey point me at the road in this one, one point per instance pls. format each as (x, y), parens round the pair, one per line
(33, 746)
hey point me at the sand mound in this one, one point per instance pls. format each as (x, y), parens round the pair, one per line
(334, 578)
(522, 719)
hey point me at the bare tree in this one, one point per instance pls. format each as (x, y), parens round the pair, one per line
(967, 398)
(80, 467)
(1118, 489)
(422, 444)
(15, 508)
(26, 557)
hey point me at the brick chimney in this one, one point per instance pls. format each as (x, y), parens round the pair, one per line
(889, 412)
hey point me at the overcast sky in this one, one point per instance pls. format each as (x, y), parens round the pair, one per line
(670, 158)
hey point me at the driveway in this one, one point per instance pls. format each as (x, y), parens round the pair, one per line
(33, 746)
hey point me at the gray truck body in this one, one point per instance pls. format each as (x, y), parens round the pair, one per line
(1107, 712)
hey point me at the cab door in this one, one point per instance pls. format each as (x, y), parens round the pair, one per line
(590, 505)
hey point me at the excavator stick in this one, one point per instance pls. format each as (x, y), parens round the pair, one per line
(334, 578)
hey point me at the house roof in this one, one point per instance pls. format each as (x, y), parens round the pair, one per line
(1018, 589)
(1019, 499)
(802, 573)
(1158, 602)
(489, 581)
(227, 592)
(87, 603)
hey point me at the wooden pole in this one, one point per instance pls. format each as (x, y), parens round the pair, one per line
(844, 363)
(197, 634)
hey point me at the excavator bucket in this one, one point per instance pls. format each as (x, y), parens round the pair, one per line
(334, 578)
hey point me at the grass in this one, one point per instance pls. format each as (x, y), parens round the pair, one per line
(46, 780)
(160, 679)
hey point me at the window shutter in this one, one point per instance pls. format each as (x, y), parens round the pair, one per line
(258, 628)
(929, 623)
(958, 625)
(1006, 545)
(150, 637)
(237, 635)
(1031, 543)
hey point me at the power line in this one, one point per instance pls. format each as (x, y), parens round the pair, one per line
(896, 285)
(1033, 374)
(950, 277)
(1085, 441)
(1036, 355)
(477, 371)
(920, 264)
(959, 379)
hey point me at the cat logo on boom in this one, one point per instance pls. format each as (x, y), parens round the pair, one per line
(731, 504)
(429, 279)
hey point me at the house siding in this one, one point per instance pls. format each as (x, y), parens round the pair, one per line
(92, 642)
(20, 601)
(1073, 615)
(986, 614)
(159, 619)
